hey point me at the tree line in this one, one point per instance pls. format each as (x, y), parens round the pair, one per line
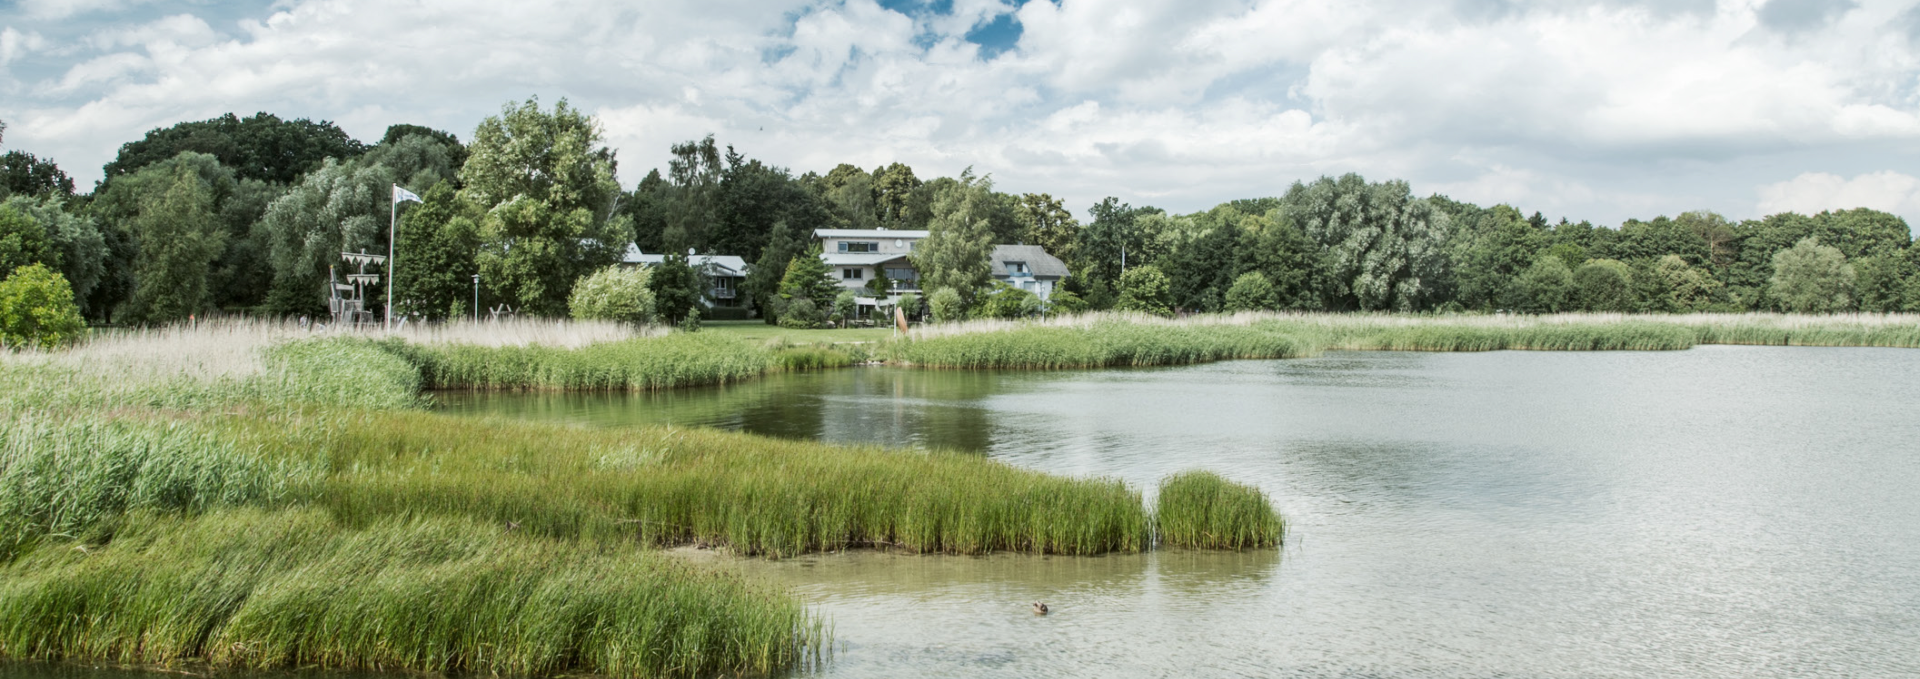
(245, 215)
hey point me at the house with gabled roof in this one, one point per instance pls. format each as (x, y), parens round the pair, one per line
(723, 274)
(1029, 268)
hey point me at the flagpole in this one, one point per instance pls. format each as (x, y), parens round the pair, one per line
(393, 221)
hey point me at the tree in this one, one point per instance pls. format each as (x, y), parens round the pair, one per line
(1251, 292)
(893, 186)
(548, 190)
(1545, 287)
(1603, 285)
(956, 253)
(845, 305)
(1490, 249)
(1682, 287)
(448, 142)
(22, 174)
(81, 249)
(849, 191)
(1812, 278)
(676, 287)
(1065, 302)
(37, 310)
(260, 146)
(1112, 240)
(762, 285)
(1880, 283)
(1145, 289)
(179, 239)
(1046, 222)
(1382, 248)
(690, 207)
(23, 241)
(615, 293)
(437, 241)
(806, 286)
(343, 206)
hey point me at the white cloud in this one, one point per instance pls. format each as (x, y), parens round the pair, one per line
(61, 9)
(1612, 107)
(14, 44)
(1816, 191)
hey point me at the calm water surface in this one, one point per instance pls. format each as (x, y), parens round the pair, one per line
(1722, 511)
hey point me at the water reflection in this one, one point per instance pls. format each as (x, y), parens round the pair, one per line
(1723, 511)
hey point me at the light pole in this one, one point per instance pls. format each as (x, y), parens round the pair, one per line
(476, 298)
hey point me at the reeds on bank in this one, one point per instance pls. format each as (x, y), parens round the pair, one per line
(1129, 339)
(286, 589)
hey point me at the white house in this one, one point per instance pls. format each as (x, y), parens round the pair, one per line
(856, 256)
(1029, 268)
(723, 273)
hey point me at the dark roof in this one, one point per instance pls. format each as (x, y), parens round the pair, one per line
(1036, 257)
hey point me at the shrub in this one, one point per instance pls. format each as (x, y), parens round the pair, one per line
(691, 322)
(615, 293)
(1145, 289)
(1007, 301)
(1252, 292)
(1065, 302)
(37, 310)
(800, 312)
(947, 305)
(910, 304)
(845, 306)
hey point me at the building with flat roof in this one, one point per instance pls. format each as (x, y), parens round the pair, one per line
(723, 273)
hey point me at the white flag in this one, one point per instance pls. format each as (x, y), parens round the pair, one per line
(401, 195)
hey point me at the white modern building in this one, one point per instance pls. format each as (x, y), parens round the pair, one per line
(856, 256)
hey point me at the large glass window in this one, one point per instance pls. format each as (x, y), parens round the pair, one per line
(859, 246)
(902, 274)
(852, 274)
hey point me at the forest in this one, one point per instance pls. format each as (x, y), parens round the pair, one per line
(244, 215)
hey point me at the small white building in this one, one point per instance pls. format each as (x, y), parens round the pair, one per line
(723, 273)
(1029, 268)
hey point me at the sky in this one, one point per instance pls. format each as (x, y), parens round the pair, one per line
(1602, 111)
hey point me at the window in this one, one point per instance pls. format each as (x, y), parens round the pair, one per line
(903, 274)
(852, 274)
(1017, 268)
(859, 246)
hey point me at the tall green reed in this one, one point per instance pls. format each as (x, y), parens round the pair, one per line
(1201, 510)
(286, 589)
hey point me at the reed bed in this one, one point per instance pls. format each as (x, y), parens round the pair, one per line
(69, 477)
(1106, 342)
(1202, 510)
(1128, 339)
(293, 589)
(755, 495)
(642, 364)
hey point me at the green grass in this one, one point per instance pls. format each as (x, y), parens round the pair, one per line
(293, 589)
(1201, 510)
(758, 331)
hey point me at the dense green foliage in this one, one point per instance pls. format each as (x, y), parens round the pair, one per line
(615, 293)
(37, 310)
(1810, 277)
(1145, 289)
(1201, 510)
(533, 206)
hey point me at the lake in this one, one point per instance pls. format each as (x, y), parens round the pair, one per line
(1721, 511)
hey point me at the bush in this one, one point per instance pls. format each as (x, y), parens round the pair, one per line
(800, 313)
(1065, 302)
(947, 305)
(1007, 301)
(615, 293)
(845, 306)
(1252, 292)
(691, 322)
(37, 310)
(910, 305)
(1145, 289)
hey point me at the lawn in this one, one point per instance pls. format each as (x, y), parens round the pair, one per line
(760, 331)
